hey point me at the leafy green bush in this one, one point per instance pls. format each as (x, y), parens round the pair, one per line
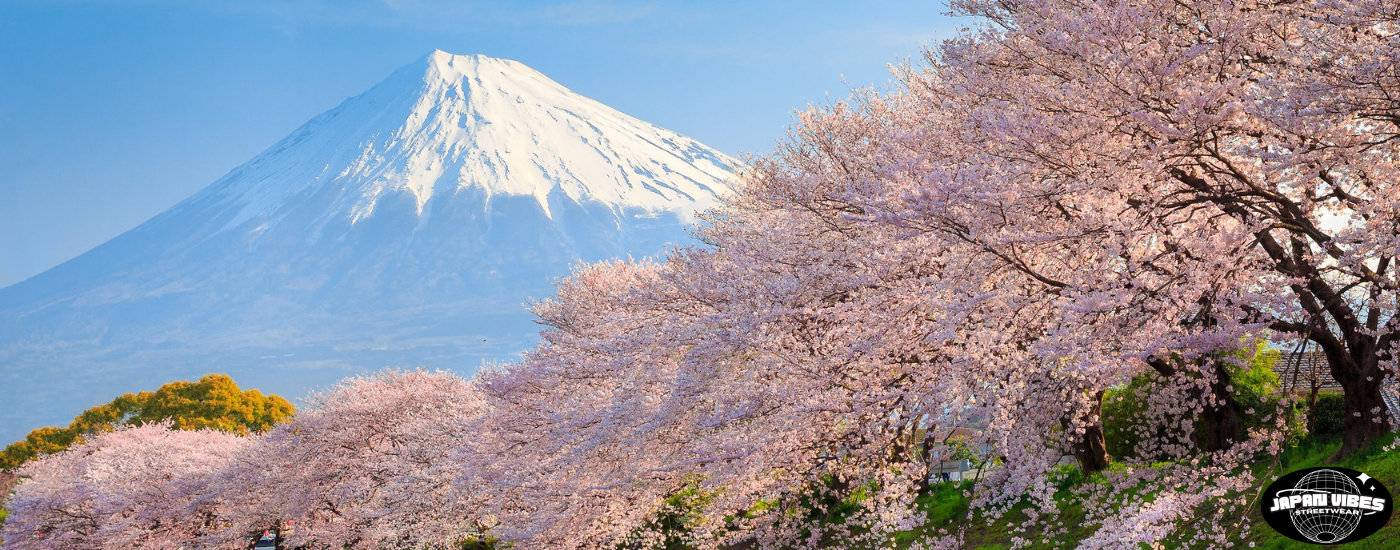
(1326, 420)
(1257, 387)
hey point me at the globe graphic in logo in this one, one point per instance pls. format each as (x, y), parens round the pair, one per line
(1326, 505)
(1326, 524)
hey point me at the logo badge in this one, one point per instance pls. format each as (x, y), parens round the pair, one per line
(1326, 505)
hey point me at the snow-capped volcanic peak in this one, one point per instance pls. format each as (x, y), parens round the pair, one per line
(406, 228)
(450, 122)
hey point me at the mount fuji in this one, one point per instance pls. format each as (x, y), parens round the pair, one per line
(405, 228)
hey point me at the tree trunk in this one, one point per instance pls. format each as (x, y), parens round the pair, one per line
(1364, 414)
(1362, 398)
(1221, 418)
(1089, 447)
(1091, 452)
(924, 487)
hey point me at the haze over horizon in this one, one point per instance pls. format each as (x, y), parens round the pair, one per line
(112, 112)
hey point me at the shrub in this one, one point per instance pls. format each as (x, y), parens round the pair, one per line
(1326, 419)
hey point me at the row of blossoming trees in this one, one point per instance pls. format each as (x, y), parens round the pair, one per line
(1073, 195)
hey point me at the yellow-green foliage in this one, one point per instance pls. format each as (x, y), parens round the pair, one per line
(215, 401)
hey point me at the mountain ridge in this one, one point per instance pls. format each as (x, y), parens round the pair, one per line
(405, 227)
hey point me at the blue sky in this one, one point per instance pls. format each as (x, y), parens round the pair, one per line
(111, 111)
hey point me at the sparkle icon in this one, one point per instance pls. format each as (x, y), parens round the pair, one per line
(1364, 478)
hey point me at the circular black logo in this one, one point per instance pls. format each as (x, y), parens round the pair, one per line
(1326, 505)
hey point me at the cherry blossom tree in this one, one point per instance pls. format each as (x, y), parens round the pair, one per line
(364, 466)
(1275, 120)
(141, 487)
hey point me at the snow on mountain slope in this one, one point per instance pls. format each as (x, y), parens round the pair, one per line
(475, 121)
(406, 227)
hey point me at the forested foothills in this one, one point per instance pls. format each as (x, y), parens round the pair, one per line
(1072, 245)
